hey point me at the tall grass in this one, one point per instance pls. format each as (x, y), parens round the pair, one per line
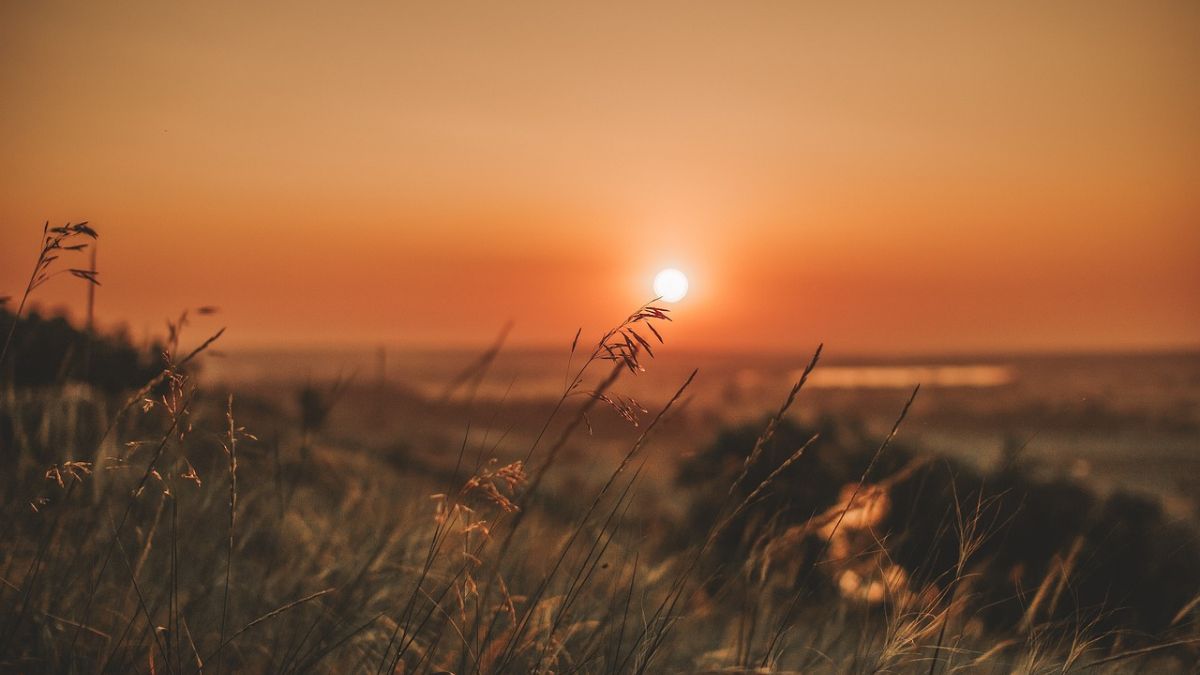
(169, 538)
(55, 242)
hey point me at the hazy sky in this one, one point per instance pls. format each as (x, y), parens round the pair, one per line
(883, 177)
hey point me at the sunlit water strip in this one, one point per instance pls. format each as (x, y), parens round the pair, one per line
(906, 377)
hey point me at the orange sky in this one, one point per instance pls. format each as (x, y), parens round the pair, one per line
(884, 179)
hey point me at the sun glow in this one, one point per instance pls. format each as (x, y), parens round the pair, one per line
(670, 285)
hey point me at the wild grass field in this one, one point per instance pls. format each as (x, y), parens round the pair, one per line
(156, 522)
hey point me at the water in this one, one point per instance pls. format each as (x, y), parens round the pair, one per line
(1165, 386)
(1116, 420)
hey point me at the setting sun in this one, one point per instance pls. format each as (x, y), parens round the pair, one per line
(373, 325)
(670, 285)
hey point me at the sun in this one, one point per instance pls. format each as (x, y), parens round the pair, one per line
(670, 285)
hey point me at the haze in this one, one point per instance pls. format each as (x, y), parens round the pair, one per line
(882, 178)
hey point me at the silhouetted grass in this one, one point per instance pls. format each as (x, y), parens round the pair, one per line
(146, 529)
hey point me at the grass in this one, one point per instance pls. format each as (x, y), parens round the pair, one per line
(152, 531)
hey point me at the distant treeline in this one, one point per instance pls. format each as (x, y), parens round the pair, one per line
(48, 350)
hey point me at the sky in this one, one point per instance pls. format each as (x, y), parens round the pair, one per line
(883, 177)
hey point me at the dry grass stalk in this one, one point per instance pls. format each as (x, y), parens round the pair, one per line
(69, 238)
(773, 424)
(492, 483)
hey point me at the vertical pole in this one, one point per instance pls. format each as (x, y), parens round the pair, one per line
(382, 367)
(382, 384)
(91, 318)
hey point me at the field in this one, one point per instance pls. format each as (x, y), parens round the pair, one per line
(605, 509)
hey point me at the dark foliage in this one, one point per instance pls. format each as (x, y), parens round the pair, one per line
(49, 350)
(1133, 567)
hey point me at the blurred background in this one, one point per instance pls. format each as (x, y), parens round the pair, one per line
(415, 222)
(998, 203)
